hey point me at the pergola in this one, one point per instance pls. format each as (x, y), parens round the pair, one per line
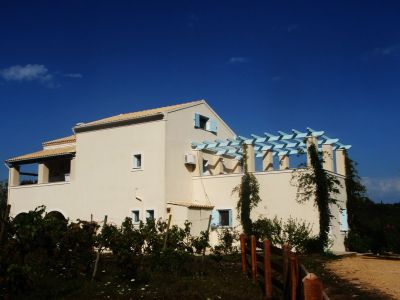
(283, 144)
(269, 145)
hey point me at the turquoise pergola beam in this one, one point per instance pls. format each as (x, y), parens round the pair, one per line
(282, 144)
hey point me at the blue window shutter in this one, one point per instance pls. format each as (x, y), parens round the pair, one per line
(343, 220)
(213, 125)
(197, 120)
(215, 218)
(230, 218)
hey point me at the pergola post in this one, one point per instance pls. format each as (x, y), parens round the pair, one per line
(251, 161)
(43, 173)
(311, 141)
(199, 163)
(340, 162)
(13, 176)
(283, 162)
(268, 162)
(218, 168)
(327, 155)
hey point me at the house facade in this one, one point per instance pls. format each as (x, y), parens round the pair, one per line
(182, 160)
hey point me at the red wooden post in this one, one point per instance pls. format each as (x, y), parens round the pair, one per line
(243, 249)
(267, 269)
(253, 258)
(286, 252)
(294, 274)
(313, 289)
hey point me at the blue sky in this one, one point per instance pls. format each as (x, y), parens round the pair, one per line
(262, 65)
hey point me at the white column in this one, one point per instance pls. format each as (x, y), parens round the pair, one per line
(13, 176)
(327, 155)
(199, 163)
(251, 163)
(340, 162)
(268, 162)
(43, 173)
(283, 162)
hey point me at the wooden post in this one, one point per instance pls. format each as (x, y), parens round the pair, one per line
(96, 263)
(313, 289)
(208, 234)
(243, 250)
(267, 269)
(4, 221)
(91, 218)
(294, 274)
(286, 252)
(253, 258)
(166, 234)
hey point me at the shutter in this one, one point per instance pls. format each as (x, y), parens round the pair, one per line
(213, 126)
(196, 120)
(343, 220)
(230, 218)
(214, 218)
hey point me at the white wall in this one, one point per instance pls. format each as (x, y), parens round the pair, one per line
(179, 136)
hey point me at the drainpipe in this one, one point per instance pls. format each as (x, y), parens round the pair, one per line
(8, 182)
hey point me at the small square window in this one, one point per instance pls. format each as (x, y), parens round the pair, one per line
(224, 217)
(137, 161)
(150, 214)
(135, 216)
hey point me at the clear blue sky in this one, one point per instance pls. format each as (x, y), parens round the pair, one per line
(262, 65)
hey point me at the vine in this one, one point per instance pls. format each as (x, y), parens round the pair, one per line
(248, 191)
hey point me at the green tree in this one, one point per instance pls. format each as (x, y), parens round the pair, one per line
(248, 191)
(321, 186)
(3, 196)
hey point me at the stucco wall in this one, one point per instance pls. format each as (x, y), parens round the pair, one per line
(278, 198)
(180, 133)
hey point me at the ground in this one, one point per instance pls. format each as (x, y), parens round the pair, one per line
(372, 272)
(357, 277)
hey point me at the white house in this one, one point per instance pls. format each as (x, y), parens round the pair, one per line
(182, 160)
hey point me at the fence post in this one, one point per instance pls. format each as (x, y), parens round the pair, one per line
(243, 250)
(294, 274)
(286, 252)
(253, 258)
(167, 232)
(313, 289)
(267, 269)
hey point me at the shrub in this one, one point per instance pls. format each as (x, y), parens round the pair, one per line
(296, 233)
(227, 238)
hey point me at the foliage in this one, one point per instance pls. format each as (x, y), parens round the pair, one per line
(248, 191)
(227, 238)
(201, 243)
(372, 227)
(321, 186)
(293, 232)
(3, 197)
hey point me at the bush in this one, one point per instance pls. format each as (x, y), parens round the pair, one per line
(293, 232)
(227, 238)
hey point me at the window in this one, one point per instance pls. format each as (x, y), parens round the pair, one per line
(135, 216)
(150, 214)
(137, 161)
(221, 217)
(343, 220)
(205, 123)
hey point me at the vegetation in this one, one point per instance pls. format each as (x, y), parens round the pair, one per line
(3, 196)
(319, 185)
(372, 227)
(248, 191)
(293, 232)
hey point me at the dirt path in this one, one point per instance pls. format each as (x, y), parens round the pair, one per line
(369, 272)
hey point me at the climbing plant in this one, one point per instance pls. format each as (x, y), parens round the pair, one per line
(315, 183)
(248, 192)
